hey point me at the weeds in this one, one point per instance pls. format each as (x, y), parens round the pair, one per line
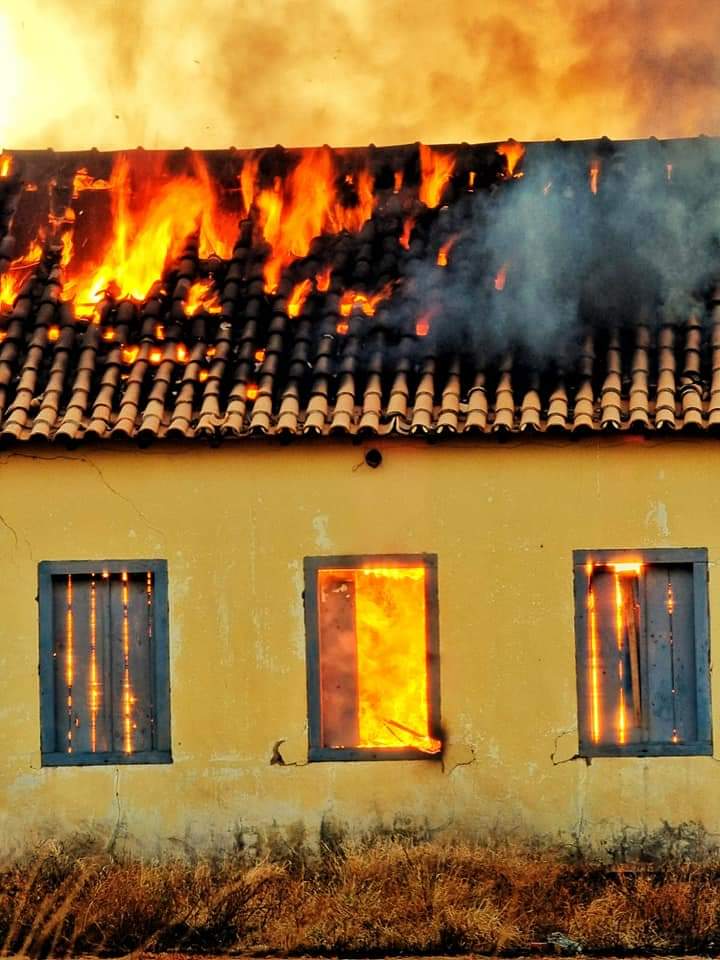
(372, 897)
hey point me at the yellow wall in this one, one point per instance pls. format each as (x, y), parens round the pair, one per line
(234, 524)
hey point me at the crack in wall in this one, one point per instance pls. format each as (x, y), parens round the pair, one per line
(103, 479)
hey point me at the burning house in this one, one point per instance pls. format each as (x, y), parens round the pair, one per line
(314, 459)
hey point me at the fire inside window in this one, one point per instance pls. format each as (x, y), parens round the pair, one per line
(104, 662)
(373, 684)
(642, 652)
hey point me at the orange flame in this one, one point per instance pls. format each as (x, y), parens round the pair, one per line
(305, 206)
(594, 669)
(11, 282)
(594, 175)
(342, 327)
(252, 391)
(248, 179)
(156, 356)
(202, 296)
(152, 220)
(398, 178)
(182, 354)
(130, 354)
(368, 304)
(322, 279)
(66, 251)
(436, 168)
(408, 225)
(501, 277)
(389, 658)
(259, 355)
(5, 164)
(297, 299)
(513, 153)
(53, 333)
(471, 181)
(442, 257)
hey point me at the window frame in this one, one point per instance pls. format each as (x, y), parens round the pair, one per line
(697, 557)
(47, 571)
(312, 565)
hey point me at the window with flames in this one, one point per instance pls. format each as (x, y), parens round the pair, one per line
(643, 652)
(104, 680)
(373, 684)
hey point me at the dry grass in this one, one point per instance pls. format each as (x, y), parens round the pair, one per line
(372, 897)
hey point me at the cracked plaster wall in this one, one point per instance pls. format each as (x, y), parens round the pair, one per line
(234, 524)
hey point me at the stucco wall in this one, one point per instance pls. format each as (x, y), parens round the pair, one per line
(234, 524)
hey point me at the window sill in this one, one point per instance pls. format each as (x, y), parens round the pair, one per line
(342, 754)
(638, 751)
(104, 759)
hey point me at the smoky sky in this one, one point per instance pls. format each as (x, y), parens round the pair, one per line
(122, 73)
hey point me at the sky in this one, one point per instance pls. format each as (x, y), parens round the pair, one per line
(214, 73)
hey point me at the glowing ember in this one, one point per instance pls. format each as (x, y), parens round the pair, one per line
(398, 177)
(424, 322)
(130, 354)
(108, 334)
(69, 658)
(382, 642)
(435, 169)
(404, 239)
(156, 355)
(442, 257)
(202, 295)
(513, 153)
(471, 181)
(342, 327)
(3, 335)
(297, 299)
(259, 356)
(160, 331)
(252, 391)
(368, 304)
(83, 181)
(182, 354)
(594, 175)
(30, 188)
(203, 376)
(501, 277)
(5, 164)
(127, 693)
(322, 279)
(53, 333)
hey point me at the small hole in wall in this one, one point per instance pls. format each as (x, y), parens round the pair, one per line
(373, 457)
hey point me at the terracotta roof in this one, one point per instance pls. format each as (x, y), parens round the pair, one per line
(147, 370)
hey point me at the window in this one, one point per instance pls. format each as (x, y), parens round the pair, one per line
(643, 677)
(104, 681)
(373, 686)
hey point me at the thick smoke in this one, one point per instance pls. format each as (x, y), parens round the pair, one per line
(643, 250)
(118, 73)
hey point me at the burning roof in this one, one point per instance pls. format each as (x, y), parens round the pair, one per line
(456, 289)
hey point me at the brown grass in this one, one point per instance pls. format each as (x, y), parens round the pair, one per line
(371, 897)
